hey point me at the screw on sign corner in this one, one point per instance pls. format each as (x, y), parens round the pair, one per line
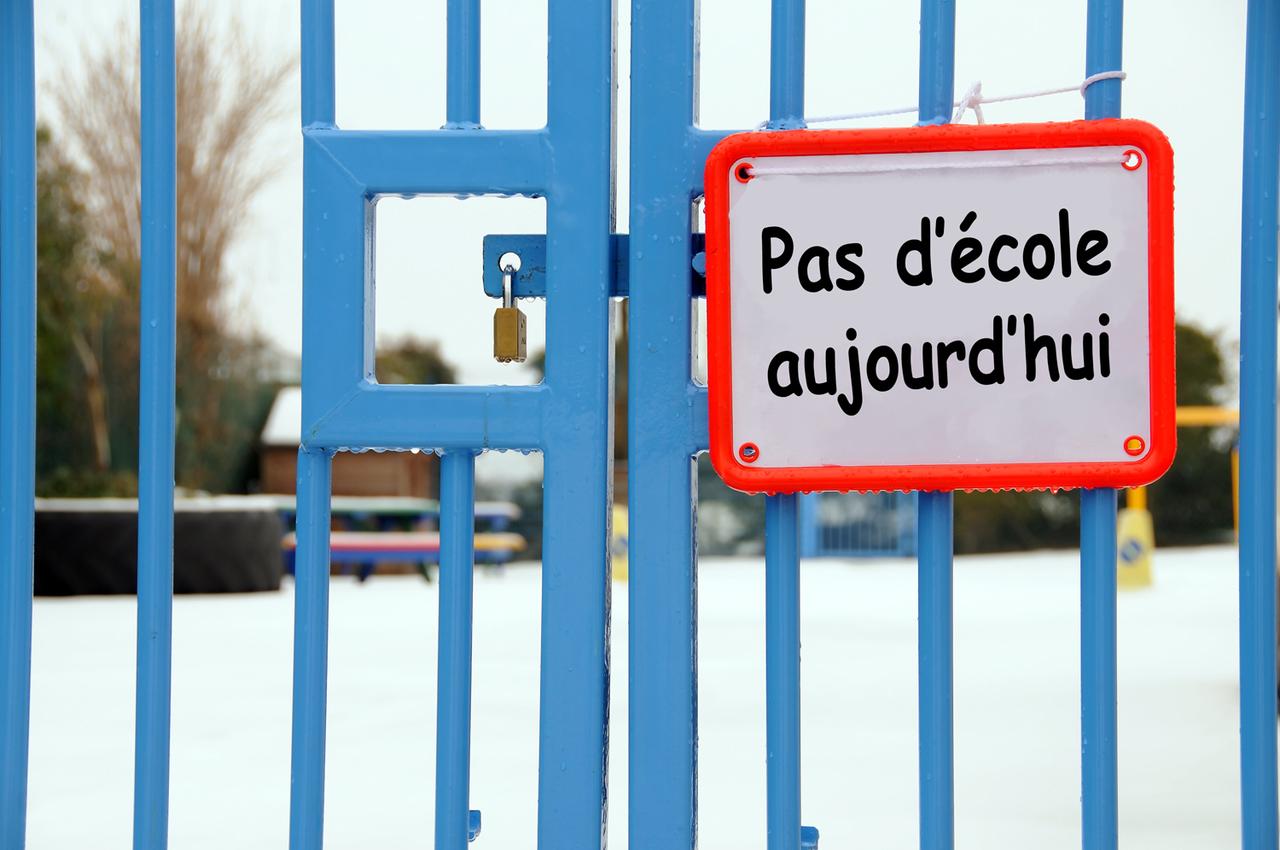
(1134, 445)
(743, 172)
(749, 452)
(1132, 160)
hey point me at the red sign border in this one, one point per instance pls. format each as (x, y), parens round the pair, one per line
(943, 477)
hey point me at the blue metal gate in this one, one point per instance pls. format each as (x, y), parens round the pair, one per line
(567, 418)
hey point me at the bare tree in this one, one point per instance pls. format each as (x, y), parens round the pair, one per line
(228, 92)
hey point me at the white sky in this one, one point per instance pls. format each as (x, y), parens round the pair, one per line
(1185, 62)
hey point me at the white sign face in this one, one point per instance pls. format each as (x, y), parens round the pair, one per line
(950, 318)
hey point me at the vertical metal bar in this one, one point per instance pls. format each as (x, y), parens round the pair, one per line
(1098, 667)
(453, 674)
(786, 78)
(317, 63)
(462, 108)
(810, 530)
(1258, 428)
(662, 482)
(935, 511)
(310, 650)
(937, 60)
(311, 557)
(937, 753)
(1098, 798)
(17, 401)
(782, 669)
(156, 393)
(577, 427)
(781, 513)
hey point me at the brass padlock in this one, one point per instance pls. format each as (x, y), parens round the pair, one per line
(509, 342)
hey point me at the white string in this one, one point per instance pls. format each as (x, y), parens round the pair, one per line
(1107, 158)
(972, 99)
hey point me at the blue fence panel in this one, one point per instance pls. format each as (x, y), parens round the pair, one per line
(566, 417)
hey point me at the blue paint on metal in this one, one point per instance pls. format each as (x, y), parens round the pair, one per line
(17, 401)
(310, 650)
(1258, 428)
(937, 60)
(318, 74)
(937, 748)
(782, 531)
(786, 61)
(667, 425)
(156, 411)
(531, 280)
(1098, 667)
(462, 102)
(1098, 797)
(566, 417)
(935, 511)
(473, 825)
(782, 669)
(453, 668)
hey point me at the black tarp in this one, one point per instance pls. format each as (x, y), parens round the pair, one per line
(218, 551)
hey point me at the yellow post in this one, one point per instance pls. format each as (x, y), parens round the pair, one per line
(1235, 490)
(619, 542)
(1135, 541)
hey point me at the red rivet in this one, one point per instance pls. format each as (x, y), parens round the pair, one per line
(1132, 160)
(749, 452)
(1134, 445)
(742, 171)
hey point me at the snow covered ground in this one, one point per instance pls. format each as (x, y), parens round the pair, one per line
(1017, 717)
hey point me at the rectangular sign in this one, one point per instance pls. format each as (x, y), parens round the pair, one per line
(938, 308)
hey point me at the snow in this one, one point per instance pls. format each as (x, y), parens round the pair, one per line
(1016, 703)
(284, 422)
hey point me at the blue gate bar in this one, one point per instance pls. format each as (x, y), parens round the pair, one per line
(1098, 756)
(937, 749)
(664, 410)
(462, 107)
(17, 401)
(782, 669)
(310, 650)
(1258, 428)
(781, 513)
(577, 428)
(317, 70)
(156, 427)
(786, 73)
(453, 673)
(1098, 667)
(935, 511)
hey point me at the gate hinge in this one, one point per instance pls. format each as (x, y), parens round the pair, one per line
(531, 279)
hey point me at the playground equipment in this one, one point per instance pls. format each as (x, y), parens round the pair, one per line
(857, 525)
(569, 162)
(1135, 531)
